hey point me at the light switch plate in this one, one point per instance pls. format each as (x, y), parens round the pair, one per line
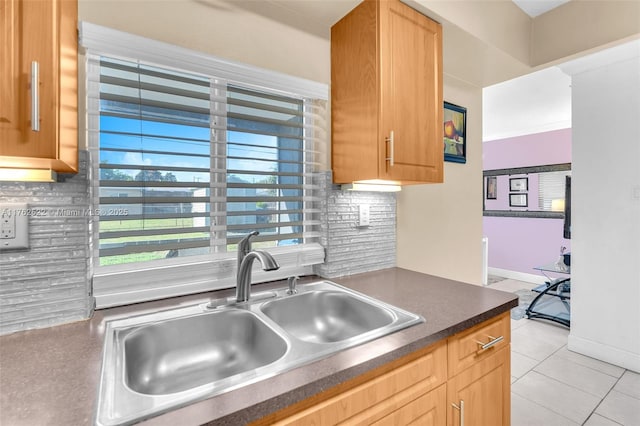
(363, 216)
(14, 226)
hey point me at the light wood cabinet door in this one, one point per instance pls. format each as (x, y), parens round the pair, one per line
(10, 102)
(386, 95)
(428, 410)
(411, 91)
(39, 131)
(481, 395)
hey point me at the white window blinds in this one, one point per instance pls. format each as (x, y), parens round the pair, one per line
(188, 164)
(189, 152)
(550, 188)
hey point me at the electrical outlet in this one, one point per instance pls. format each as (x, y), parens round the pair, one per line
(7, 226)
(14, 226)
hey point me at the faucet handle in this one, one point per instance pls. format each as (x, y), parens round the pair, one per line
(292, 281)
(244, 246)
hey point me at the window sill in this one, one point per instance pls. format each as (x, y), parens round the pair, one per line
(121, 285)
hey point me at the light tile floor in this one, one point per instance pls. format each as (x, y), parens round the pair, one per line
(552, 386)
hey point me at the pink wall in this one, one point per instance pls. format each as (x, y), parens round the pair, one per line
(515, 243)
(519, 243)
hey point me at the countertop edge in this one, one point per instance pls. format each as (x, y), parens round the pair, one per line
(52, 375)
(299, 394)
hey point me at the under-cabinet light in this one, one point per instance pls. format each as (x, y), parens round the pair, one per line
(375, 187)
(27, 175)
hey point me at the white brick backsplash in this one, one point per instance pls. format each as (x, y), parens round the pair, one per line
(48, 284)
(351, 249)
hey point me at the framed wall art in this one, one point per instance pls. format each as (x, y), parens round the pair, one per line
(492, 188)
(519, 184)
(518, 200)
(455, 133)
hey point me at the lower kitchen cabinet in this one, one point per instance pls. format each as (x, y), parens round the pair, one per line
(481, 394)
(464, 380)
(479, 385)
(412, 387)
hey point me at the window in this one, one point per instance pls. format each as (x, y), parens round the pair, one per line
(154, 151)
(189, 162)
(551, 187)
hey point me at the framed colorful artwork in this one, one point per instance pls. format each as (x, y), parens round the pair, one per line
(455, 133)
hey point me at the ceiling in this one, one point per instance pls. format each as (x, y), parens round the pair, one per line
(535, 8)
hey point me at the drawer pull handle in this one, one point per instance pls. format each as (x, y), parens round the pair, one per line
(494, 341)
(35, 96)
(390, 139)
(461, 408)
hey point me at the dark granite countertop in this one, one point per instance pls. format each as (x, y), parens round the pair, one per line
(50, 376)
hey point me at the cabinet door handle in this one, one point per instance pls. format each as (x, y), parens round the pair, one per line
(461, 408)
(390, 140)
(35, 96)
(494, 341)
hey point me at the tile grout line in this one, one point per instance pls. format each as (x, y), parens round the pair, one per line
(567, 384)
(602, 400)
(595, 369)
(621, 392)
(605, 397)
(547, 408)
(604, 417)
(550, 409)
(584, 366)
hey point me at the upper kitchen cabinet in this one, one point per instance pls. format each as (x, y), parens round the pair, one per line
(386, 95)
(39, 85)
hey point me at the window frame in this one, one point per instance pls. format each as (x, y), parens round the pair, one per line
(115, 285)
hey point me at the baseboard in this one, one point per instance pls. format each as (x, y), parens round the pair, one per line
(515, 275)
(615, 356)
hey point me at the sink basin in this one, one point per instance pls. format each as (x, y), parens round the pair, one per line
(157, 362)
(326, 316)
(181, 354)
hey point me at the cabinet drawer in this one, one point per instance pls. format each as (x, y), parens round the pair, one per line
(377, 398)
(478, 342)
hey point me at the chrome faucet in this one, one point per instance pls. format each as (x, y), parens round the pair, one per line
(246, 256)
(244, 247)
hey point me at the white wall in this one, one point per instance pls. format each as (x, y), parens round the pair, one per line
(440, 226)
(223, 28)
(605, 317)
(228, 29)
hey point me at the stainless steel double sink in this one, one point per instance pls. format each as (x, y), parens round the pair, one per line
(157, 362)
